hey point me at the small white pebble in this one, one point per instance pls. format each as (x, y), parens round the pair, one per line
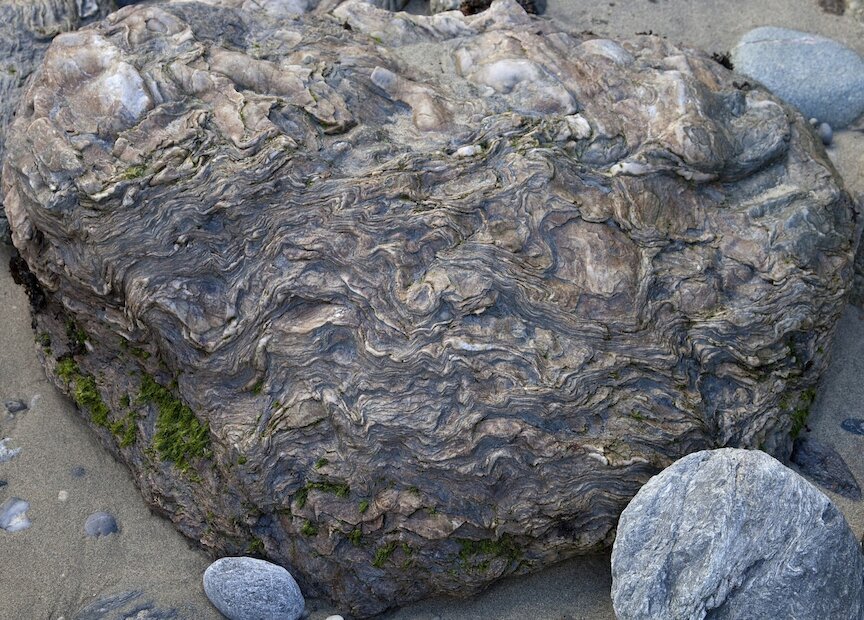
(334, 618)
(62, 496)
(579, 127)
(467, 151)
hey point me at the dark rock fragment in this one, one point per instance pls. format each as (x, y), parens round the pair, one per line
(822, 464)
(15, 406)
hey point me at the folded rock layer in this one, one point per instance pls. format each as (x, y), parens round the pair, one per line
(408, 304)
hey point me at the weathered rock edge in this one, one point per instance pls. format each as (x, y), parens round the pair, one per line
(408, 320)
(734, 534)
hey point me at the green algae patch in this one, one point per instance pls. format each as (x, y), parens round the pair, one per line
(800, 415)
(125, 430)
(44, 339)
(133, 172)
(84, 391)
(180, 436)
(255, 547)
(77, 337)
(354, 536)
(87, 396)
(476, 554)
(382, 554)
(339, 489)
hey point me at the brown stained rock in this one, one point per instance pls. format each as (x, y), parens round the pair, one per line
(407, 303)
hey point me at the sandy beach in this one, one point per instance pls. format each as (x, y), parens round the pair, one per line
(53, 570)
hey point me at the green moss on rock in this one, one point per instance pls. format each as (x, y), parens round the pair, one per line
(477, 553)
(84, 391)
(180, 436)
(800, 415)
(382, 554)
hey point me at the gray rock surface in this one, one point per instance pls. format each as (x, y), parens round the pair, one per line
(13, 514)
(408, 327)
(27, 27)
(733, 534)
(249, 589)
(823, 465)
(824, 79)
(100, 524)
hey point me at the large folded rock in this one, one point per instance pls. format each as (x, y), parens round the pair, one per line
(27, 27)
(411, 303)
(733, 534)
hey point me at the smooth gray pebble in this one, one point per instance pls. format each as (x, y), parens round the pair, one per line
(826, 134)
(100, 524)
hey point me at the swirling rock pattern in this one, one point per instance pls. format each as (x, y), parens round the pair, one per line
(26, 29)
(407, 303)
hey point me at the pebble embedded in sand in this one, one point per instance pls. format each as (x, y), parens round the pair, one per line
(826, 134)
(13, 514)
(7, 454)
(62, 496)
(853, 425)
(15, 405)
(100, 524)
(245, 589)
(821, 77)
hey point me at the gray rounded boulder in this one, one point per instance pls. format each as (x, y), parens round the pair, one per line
(734, 534)
(822, 78)
(249, 589)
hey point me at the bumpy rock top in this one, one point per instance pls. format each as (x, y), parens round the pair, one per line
(445, 290)
(26, 30)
